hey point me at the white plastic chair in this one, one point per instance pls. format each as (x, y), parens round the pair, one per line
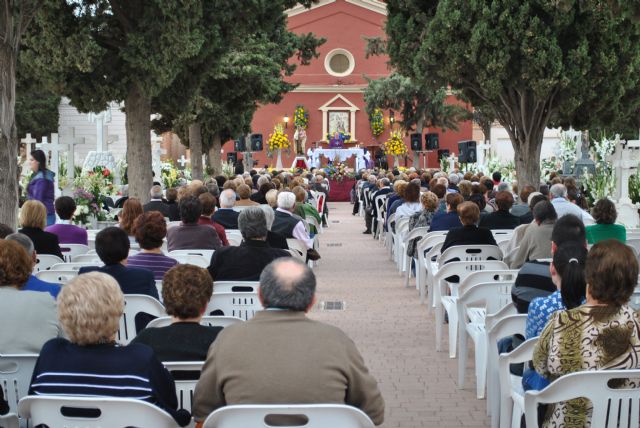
(318, 416)
(57, 277)
(494, 296)
(418, 232)
(313, 222)
(203, 253)
(159, 288)
(134, 304)
(299, 247)
(9, 420)
(88, 259)
(45, 261)
(379, 203)
(442, 301)
(110, 412)
(388, 236)
(72, 266)
(507, 326)
(209, 321)
(189, 259)
(634, 244)
(236, 286)
(239, 305)
(612, 407)
(15, 377)
(184, 387)
(70, 250)
(511, 392)
(234, 240)
(400, 254)
(428, 248)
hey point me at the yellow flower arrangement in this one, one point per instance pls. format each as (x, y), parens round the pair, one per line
(376, 120)
(278, 140)
(394, 145)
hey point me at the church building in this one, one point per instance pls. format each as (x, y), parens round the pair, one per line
(331, 88)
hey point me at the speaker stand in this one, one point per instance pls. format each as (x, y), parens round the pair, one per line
(299, 159)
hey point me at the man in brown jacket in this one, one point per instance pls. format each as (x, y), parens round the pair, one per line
(282, 357)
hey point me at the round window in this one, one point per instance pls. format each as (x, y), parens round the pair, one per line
(339, 62)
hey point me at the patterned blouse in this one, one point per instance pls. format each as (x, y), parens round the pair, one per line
(585, 338)
(419, 219)
(540, 311)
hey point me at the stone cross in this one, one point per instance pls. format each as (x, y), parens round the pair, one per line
(183, 161)
(100, 119)
(28, 141)
(55, 147)
(625, 160)
(71, 140)
(156, 153)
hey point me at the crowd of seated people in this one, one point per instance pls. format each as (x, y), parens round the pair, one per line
(572, 291)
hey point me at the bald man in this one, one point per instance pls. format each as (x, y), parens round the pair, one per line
(282, 357)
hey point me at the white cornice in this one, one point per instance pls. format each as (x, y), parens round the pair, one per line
(330, 88)
(372, 5)
(298, 9)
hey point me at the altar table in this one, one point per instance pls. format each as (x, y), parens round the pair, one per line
(341, 154)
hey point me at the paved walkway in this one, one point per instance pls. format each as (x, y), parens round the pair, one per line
(391, 329)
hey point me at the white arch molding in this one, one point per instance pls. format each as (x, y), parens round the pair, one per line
(349, 107)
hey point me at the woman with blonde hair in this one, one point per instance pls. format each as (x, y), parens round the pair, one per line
(33, 219)
(127, 217)
(90, 363)
(422, 218)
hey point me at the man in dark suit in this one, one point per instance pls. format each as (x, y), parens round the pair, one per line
(246, 262)
(225, 215)
(156, 203)
(502, 218)
(112, 246)
(469, 233)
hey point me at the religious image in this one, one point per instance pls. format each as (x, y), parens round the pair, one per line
(338, 121)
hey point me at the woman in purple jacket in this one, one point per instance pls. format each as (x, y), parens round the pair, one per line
(41, 187)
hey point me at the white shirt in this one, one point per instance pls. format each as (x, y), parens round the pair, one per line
(564, 207)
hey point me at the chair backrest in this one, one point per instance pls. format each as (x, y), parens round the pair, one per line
(88, 259)
(70, 250)
(313, 222)
(236, 286)
(320, 203)
(612, 406)
(634, 244)
(208, 321)
(134, 304)
(203, 253)
(9, 420)
(185, 387)
(239, 305)
(57, 277)
(501, 232)
(418, 232)
(45, 261)
(466, 268)
(298, 246)
(234, 240)
(73, 266)
(15, 376)
(495, 295)
(468, 253)
(189, 259)
(379, 201)
(317, 416)
(99, 412)
(485, 276)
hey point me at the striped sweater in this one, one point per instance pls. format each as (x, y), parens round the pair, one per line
(133, 371)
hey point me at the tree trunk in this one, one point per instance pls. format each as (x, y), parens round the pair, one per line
(215, 160)
(419, 130)
(138, 123)
(8, 137)
(486, 130)
(195, 146)
(527, 160)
